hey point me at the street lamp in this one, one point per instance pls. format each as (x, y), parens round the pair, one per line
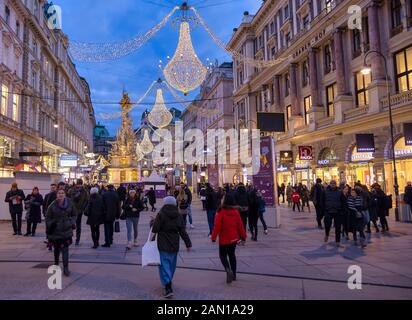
(365, 71)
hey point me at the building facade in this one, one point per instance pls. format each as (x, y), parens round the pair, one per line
(101, 141)
(319, 87)
(213, 110)
(46, 110)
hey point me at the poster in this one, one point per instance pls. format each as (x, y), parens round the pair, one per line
(264, 180)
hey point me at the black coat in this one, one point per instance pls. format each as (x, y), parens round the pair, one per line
(48, 200)
(253, 204)
(122, 193)
(169, 226)
(317, 194)
(34, 203)
(60, 221)
(408, 195)
(151, 196)
(332, 201)
(18, 207)
(211, 200)
(241, 197)
(131, 204)
(111, 204)
(95, 210)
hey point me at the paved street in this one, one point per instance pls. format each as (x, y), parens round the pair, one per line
(289, 263)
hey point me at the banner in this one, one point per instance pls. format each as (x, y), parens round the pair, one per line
(407, 130)
(365, 142)
(264, 180)
(305, 153)
(286, 157)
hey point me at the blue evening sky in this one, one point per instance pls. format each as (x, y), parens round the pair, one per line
(118, 20)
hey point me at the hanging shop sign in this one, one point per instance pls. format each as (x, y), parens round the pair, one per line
(68, 161)
(361, 156)
(365, 142)
(305, 153)
(407, 129)
(286, 157)
(302, 166)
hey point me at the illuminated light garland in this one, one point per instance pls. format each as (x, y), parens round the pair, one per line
(185, 72)
(100, 52)
(146, 146)
(160, 116)
(236, 55)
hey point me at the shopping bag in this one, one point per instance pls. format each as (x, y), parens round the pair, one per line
(117, 226)
(150, 252)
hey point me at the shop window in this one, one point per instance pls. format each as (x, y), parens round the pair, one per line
(330, 99)
(307, 103)
(396, 13)
(328, 59)
(4, 99)
(356, 43)
(305, 73)
(404, 69)
(361, 84)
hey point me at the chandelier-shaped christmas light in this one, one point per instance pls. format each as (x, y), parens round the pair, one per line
(160, 117)
(185, 72)
(146, 146)
(139, 153)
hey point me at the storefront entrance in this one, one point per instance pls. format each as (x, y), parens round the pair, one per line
(327, 168)
(360, 169)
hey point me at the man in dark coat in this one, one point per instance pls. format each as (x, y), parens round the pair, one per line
(253, 213)
(332, 202)
(80, 199)
(242, 200)
(15, 198)
(111, 203)
(408, 194)
(316, 196)
(211, 207)
(122, 193)
(95, 215)
(48, 200)
(189, 202)
(151, 196)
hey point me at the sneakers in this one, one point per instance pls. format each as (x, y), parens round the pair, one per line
(136, 243)
(266, 232)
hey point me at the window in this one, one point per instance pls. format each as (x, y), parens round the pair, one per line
(286, 12)
(15, 115)
(404, 70)
(396, 10)
(34, 80)
(356, 43)
(287, 39)
(330, 99)
(305, 22)
(307, 103)
(328, 59)
(273, 51)
(288, 115)
(18, 29)
(272, 28)
(328, 5)
(287, 85)
(305, 73)
(362, 82)
(7, 14)
(34, 47)
(4, 99)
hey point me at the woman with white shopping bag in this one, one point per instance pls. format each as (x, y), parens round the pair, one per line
(169, 227)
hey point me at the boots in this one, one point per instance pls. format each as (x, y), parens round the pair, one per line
(229, 275)
(56, 256)
(65, 254)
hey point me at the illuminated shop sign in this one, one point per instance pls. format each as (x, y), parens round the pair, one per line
(362, 156)
(286, 157)
(305, 153)
(365, 143)
(407, 129)
(301, 166)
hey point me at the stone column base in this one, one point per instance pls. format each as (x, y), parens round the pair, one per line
(272, 217)
(342, 103)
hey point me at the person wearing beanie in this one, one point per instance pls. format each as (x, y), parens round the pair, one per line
(15, 199)
(169, 227)
(95, 215)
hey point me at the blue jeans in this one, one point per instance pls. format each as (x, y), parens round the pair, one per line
(131, 222)
(167, 267)
(189, 214)
(211, 214)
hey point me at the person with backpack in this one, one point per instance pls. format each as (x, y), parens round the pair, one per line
(295, 200)
(230, 230)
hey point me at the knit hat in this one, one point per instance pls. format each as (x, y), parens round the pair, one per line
(94, 190)
(169, 201)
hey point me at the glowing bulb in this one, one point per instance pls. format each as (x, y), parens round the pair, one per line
(146, 146)
(160, 117)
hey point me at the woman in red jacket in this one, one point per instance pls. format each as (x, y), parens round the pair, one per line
(229, 227)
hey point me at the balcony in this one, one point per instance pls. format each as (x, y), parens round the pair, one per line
(398, 100)
(355, 112)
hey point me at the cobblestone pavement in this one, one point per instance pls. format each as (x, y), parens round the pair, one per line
(291, 262)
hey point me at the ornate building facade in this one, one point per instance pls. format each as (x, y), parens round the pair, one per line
(45, 103)
(319, 86)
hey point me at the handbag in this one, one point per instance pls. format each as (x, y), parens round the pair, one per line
(150, 252)
(116, 226)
